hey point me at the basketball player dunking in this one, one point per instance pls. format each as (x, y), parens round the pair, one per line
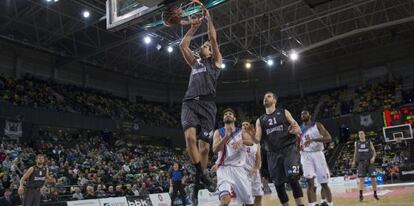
(35, 177)
(199, 110)
(232, 177)
(253, 165)
(314, 165)
(277, 131)
(365, 155)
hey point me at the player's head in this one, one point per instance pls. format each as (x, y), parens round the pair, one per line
(229, 116)
(205, 50)
(269, 99)
(361, 135)
(175, 166)
(245, 124)
(40, 159)
(305, 116)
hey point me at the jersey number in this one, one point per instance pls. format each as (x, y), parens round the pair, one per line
(272, 121)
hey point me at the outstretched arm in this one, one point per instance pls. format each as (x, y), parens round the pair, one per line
(212, 35)
(294, 126)
(185, 43)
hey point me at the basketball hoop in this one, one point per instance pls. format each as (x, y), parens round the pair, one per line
(176, 14)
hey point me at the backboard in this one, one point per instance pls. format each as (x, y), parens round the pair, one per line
(122, 13)
(398, 133)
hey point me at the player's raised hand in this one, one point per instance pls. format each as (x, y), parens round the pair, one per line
(250, 130)
(195, 23)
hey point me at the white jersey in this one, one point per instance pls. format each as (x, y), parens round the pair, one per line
(251, 152)
(308, 133)
(230, 156)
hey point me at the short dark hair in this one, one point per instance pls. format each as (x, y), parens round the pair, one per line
(273, 94)
(229, 110)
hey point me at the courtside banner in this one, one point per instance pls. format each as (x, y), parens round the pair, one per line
(160, 199)
(83, 203)
(207, 198)
(114, 201)
(139, 201)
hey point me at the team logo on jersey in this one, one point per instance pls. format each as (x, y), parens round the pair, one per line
(248, 150)
(40, 172)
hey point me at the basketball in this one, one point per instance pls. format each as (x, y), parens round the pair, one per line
(172, 16)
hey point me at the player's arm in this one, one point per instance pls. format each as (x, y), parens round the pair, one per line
(247, 138)
(212, 35)
(294, 126)
(24, 178)
(185, 44)
(48, 177)
(355, 154)
(325, 136)
(218, 143)
(256, 134)
(374, 153)
(258, 158)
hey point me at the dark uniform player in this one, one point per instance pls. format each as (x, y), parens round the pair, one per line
(35, 177)
(365, 155)
(277, 132)
(198, 111)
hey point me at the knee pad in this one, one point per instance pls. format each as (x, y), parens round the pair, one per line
(296, 189)
(281, 193)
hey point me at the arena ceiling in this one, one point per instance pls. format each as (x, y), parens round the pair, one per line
(248, 31)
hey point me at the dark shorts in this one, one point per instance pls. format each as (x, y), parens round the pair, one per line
(31, 197)
(366, 169)
(200, 115)
(284, 165)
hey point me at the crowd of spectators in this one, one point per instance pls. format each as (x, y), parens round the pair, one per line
(47, 94)
(87, 166)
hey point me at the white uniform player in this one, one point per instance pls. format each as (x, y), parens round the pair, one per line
(232, 177)
(252, 152)
(312, 157)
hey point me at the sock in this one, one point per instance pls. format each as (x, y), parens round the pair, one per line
(360, 193)
(330, 203)
(323, 200)
(199, 170)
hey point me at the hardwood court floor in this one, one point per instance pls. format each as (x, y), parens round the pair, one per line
(390, 196)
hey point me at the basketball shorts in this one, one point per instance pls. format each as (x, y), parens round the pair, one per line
(284, 165)
(314, 165)
(234, 181)
(200, 115)
(31, 197)
(366, 169)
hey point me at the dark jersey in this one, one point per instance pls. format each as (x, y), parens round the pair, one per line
(364, 151)
(37, 178)
(275, 131)
(203, 80)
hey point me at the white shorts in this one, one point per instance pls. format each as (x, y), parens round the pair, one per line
(314, 165)
(257, 186)
(233, 180)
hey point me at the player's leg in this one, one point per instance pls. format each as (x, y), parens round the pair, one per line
(323, 196)
(224, 185)
(292, 171)
(257, 188)
(322, 175)
(28, 197)
(276, 171)
(242, 187)
(309, 173)
(189, 123)
(373, 180)
(204, 149)
(36, 198)
(362, 171)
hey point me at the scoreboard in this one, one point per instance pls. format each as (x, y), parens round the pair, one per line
(402, 115)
